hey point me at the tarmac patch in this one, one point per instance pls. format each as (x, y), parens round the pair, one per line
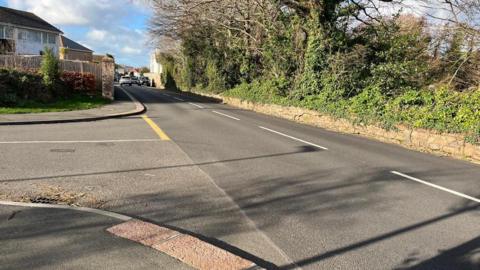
(48, 194)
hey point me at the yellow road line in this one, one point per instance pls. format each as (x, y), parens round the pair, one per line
(157, 129)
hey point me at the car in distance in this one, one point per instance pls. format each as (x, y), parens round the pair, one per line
(136, 81)
(125, 80)
(144, 81)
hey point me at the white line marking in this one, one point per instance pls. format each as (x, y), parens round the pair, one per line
(226, 115)
(99, 141)
(196, 105)
(178, 99)
(68, 207)
(437, 186)
(293, 138)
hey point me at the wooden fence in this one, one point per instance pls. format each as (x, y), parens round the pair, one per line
(33, 63)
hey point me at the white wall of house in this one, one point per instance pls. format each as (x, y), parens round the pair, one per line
(30, 41)
(155, 67)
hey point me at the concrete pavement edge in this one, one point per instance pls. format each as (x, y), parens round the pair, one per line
(184, 247)
(140, 108)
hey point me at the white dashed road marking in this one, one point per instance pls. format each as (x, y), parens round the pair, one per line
(179, 99)
(196, 105)
(226, 115)
(436, 186)
(293, 138)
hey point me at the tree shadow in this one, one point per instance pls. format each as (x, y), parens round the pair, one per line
(453, 258)
(65, 239)
(301, 150)
(464, 256)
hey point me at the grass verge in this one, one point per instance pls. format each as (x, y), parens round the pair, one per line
(77, 102)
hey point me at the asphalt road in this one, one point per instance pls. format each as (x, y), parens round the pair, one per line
(280, 193)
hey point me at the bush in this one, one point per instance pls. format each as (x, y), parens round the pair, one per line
(49, 68)
(263, 91)
(17, 86)
(80, 82)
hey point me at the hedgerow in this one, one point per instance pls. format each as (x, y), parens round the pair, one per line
(387, 72)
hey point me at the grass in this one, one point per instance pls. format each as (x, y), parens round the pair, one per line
(77, 102)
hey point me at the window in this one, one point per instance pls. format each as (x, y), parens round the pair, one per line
(6, 32)
(34, 36)
(52, 39)
(49, 38)
(22, 34)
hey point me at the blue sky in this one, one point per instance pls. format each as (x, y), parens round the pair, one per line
(117, 27)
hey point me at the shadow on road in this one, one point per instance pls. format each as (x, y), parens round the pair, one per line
(302, 149)
(456, 258)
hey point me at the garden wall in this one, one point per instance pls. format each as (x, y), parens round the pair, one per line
(33, 63)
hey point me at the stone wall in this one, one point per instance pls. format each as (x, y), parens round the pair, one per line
(445, 144)
(108, 74)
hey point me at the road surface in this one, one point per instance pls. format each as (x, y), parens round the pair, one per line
(283, 194)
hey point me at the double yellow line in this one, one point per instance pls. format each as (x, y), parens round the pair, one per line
(156, 128)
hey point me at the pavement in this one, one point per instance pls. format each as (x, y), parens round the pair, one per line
(121, 107)
(66, 239)
(280, 194)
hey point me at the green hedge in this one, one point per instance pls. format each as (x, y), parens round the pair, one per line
(442, 109)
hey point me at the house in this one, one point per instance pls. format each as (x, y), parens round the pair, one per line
(156, 69)
(120, 69)
(24, 33)
(71, 50)
(155, 66)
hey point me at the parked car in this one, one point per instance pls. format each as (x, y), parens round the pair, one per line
(144, 81)
(136, 81)
(125, 80)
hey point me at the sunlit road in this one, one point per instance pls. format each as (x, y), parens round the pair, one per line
(283, 194)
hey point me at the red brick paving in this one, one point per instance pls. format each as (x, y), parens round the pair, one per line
(188, 249)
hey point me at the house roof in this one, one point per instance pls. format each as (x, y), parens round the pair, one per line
(26, 19)
(70, 44)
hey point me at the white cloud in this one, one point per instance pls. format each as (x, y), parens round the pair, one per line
(64, 12)
(130, 50)
(97, 35)
(107, 26)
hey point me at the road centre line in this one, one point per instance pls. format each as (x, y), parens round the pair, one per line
(293, 138)
(196, 105)
(436, 186)
(226, 115)
(156, 128)
(80, 141)
(178, 99)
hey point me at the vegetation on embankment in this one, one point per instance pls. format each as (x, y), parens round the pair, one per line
(333, 57)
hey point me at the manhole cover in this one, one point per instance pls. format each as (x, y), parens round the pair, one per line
(44, 200)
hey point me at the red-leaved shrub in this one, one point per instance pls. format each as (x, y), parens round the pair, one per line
(82, 82)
